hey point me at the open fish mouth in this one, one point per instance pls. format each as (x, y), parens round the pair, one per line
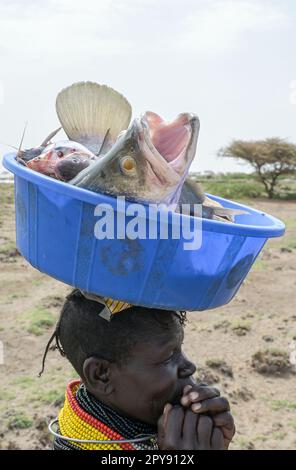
(169, 139)
(169, 145)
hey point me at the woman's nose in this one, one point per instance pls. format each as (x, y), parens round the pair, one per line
(186, 368)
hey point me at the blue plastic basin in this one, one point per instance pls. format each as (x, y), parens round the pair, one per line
(55, 233)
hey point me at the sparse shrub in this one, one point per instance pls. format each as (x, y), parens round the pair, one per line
(220, 365)
(19, 421)
(271, 362)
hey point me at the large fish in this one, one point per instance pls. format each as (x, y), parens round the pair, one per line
(150, 162)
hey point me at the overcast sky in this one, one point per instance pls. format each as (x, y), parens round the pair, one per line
(231, 62)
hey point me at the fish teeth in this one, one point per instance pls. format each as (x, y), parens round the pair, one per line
(93, 114)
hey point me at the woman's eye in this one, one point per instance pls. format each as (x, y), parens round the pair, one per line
(171, 357)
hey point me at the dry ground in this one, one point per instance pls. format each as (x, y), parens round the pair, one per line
(259, 321)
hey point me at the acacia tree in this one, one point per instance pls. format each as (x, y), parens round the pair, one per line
(270, 158)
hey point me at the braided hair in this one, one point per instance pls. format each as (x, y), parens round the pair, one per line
(81, 333)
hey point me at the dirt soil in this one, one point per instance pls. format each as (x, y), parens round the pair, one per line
(243, 348)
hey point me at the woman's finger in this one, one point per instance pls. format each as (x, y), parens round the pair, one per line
(173, 429)
(213, 405)
(226, 423)
(168, 407)
(224, 420)
(217, 441)
(190, 430)
(186, 389)
(204, 432)
(162, 423)
(199, 393)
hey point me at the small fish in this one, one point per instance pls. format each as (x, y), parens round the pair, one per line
(65, 147)
(68, 167)
(47, 161)
(24, 156)
(44, 163)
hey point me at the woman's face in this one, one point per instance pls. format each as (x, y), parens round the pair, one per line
(155, 374)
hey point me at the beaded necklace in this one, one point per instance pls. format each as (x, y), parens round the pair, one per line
(84, 417)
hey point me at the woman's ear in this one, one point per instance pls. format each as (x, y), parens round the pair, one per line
(97, 375)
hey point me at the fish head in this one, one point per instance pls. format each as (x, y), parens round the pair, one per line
(54, 154)
(149, 161)
(28, 154)
(66, 147)
(68, 167)
(44, 163)
(122, 171)
(62, 149)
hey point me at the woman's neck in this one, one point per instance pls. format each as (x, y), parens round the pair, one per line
(111, 417)
(84, 420)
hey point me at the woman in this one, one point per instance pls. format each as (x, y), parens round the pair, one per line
(136, 384)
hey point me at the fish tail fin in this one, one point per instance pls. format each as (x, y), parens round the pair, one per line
(227, 214)
(87, 110)
(219, 212)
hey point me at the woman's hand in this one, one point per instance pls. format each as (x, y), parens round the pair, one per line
(201, 398)
(182, 429)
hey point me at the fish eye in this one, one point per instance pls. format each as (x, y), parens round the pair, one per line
(128, 164)
(60, 154)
